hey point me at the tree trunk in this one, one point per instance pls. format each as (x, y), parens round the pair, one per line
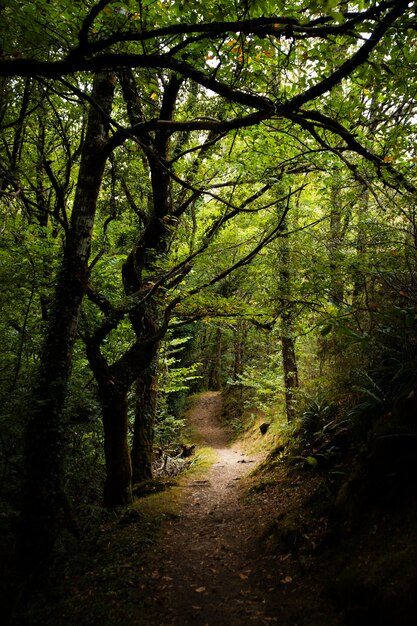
(240, 334)
(335, 244)
(117, 488)
(289, 363)
(42, 494)
(143, 433)
(147, 319)
(215, 383)
(114, 383)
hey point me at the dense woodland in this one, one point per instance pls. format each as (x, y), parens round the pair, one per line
(198, 196)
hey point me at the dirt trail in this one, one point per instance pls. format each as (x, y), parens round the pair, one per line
(227, 555)
(206, 559)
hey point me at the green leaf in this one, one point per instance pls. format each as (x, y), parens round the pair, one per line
(337, 16)
(326, 330)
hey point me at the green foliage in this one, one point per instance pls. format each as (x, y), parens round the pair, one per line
(12, 425)
(316, 416)
(175, 379)
(84, 466)
(392, 372)
(169, 430)
(84, 470)
(265, 385)
(234, 225)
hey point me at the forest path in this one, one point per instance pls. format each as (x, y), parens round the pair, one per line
(206, 560)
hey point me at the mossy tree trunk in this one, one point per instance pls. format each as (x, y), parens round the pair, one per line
(143, 431)
(215, 381)
(114, 382)
(43, 498)
(148, 318)
(289, 360)
(289, 363)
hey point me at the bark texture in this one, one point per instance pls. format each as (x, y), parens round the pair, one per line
(117, 488)
(42, 509)
(143, 432)
(289, 361)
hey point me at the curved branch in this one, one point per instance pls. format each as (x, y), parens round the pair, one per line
(354, 61)
(310, 119)
(88, 22)
(276, 25)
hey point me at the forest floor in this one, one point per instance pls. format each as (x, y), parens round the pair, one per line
(213, 564)
(219, 547)
(236, 541)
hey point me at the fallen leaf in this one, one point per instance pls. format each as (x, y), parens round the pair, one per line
(200, 589)
(243, 576)
(286, 580)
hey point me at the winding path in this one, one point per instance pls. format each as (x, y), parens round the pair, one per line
(205, 558)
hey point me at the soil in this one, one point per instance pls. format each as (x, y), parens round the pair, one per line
(215, 564)
(219, 547)
(241, 542)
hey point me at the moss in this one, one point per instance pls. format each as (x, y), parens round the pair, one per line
(283, 533)
(204, 459)
(154, 485)
(263, 485)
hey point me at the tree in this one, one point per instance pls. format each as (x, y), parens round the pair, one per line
(151, 277)
(43, 496)
(272, 58)
(289, 360)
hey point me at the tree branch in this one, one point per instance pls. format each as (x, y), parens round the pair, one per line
(354, 61)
